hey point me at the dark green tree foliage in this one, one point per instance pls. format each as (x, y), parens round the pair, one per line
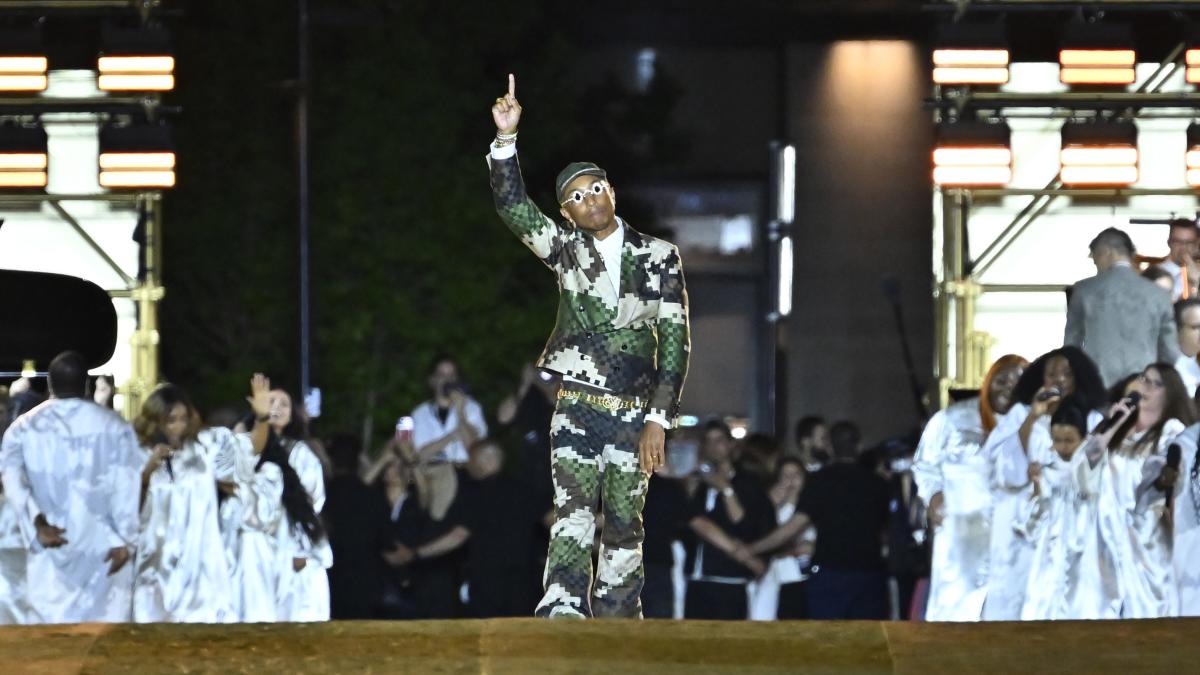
(408, 258)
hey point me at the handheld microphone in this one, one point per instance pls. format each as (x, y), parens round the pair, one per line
(1133, 398)
(1174, 455)
(1049, 394)
(161, 439)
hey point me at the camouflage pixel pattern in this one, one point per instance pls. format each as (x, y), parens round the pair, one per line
(635, 342)
(594, 461)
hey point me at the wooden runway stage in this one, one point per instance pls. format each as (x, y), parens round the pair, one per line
(530, 646)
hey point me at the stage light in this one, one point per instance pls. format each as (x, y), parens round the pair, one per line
(135, 61)
(972, 154)
(1192, 156)
(1097, 54)
(1193, 65)
(23, 157)
(1099, 154)
(969, 53)
(136, 157)
(23, 61)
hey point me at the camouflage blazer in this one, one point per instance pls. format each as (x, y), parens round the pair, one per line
(633, 343)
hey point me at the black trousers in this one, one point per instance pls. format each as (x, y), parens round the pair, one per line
(793, 604)
(834, 594)
(711, 600)
(658, 595)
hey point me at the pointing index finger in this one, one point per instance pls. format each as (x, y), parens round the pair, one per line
(512, 85)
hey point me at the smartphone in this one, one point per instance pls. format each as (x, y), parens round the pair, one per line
(404, 429)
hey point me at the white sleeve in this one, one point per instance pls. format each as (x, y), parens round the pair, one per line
(424, 432)
(662, 421)
(16, 485)
(123, 477)
(312, 475)
(927, 462)
(1010, 463)
(502, 152)
(475, 417)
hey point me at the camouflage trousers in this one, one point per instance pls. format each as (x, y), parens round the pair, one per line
(594, 460)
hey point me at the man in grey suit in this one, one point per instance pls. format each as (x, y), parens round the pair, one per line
(1121, 320)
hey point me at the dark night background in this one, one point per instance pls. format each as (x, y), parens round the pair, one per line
(408, 257)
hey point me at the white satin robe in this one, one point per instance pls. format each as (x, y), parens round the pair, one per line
(79, 465)
(1186, 519)
(304, 595)
(182, 573)
(251, 519)
(950, 460)
(1060, 524)
(14, 607)
(1133, 529)
(1012, 554)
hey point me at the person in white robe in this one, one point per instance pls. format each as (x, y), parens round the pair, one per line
(70, 471)
(1186, 521)
(14, 608)
(953, 479)
(1022, 438)
(182, 571)
(1133, 524)
(1063, 571)
(302, 549)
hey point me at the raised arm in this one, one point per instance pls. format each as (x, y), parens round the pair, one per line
(534, 228)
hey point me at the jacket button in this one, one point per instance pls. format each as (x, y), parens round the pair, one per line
(588, 335)
(624, 348)
(581, 308)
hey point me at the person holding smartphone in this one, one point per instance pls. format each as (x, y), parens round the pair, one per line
(443, 427)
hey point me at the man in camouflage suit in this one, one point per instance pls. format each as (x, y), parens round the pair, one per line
(621, 346)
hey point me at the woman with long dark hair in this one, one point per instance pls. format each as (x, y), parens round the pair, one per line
(182, 574)
(953, 477)
(779, 594)
(302, 549)
(251, 514)
(1123, 469)
(1021, 440)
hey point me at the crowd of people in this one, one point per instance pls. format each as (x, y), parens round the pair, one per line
(1065, 488)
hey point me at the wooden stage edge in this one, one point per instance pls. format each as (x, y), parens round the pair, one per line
(609, 647)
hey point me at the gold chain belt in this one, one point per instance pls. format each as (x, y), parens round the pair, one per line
(609, 402)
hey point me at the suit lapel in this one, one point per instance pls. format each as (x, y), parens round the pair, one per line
(592, 267)
(633, 274)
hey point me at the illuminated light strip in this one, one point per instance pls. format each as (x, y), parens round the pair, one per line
(1099, 175)
(1097, 57)
(972, 175)
(22, 160)
(137, 160)
(1193, 158)
(1097, 76)
(1193, 57)
(1099, 156)
(137, 179)
(22, 82)
(137, 64)
(28, 65)
(965, 75)
(972, 156)
(970, 57)
(136, 82)
(23, 179)
(1193, 177)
